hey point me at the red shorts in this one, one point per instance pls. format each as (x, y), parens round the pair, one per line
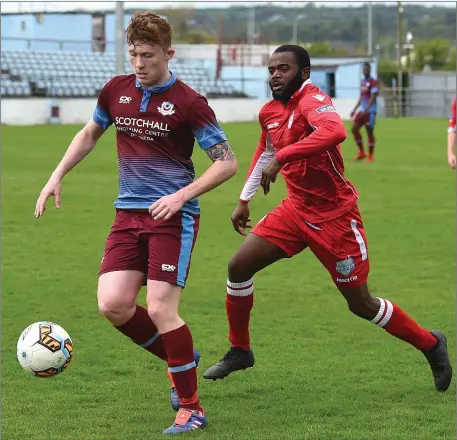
(362, 119)
(161, 249)
(339, 244)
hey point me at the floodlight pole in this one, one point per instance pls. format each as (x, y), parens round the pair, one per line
(370, 29)
(399, 69)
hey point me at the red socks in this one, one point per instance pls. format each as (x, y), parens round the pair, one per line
(176, 347)
(371, 145)
(141, 330)
(359, 142)
(181, 365)
(396, 322)
(238, 303)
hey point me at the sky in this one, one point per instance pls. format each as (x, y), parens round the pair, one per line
(37, 6)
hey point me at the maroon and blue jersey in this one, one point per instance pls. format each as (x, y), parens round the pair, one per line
(368, 87)
(156, 130)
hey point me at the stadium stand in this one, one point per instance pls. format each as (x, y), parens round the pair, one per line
(83, 74)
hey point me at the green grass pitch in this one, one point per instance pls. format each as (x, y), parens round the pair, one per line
(320, 373)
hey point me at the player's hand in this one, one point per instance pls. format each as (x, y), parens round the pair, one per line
(269, 174)
(451, 160)
(166, 206)
(52, 188)
(240, 218)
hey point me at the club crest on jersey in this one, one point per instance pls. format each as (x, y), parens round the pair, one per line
(345, 267)
(166, 108)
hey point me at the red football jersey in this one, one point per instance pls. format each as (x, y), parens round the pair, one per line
(304, 135)
(451, 127)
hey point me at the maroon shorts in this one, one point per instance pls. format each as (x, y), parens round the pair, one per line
(362, 119)
(161, 249)
(340, 244)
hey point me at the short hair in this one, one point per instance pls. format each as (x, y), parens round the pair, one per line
(367, 64)
(301, 54)
(148, 28)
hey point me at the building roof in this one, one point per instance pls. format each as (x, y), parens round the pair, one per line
(339, 61)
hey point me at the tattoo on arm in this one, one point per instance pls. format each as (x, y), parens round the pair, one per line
(221, 151)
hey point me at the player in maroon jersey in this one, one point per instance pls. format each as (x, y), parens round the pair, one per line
(301, 133)
(451, 136)
(157, 118)
(366, 116)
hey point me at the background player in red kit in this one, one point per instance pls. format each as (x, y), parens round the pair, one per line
(157, 118)
(366, 116)
(301, 133)
(451, 136)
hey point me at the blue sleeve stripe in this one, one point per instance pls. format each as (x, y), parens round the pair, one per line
(209, 135)
(101, 118)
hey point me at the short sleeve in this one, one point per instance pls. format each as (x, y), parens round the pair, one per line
(204, 125)
(101, 114)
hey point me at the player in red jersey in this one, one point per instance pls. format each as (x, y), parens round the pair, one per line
(301, 133)
(366, 116)
(451, 137)
(157, 118)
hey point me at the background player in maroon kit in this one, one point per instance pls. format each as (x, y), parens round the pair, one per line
(157, 118)
(301, 133)
(451, 137)
(366, 116)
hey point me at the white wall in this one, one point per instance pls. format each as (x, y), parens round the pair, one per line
(35, 111)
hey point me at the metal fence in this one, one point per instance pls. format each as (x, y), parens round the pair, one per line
(412, 102)
(48, 44)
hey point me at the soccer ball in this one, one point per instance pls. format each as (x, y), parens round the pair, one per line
(44, 349)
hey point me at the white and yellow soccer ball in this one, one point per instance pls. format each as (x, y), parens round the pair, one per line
(44, 349)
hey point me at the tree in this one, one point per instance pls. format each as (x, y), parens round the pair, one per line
(451, 64)
(323, 49)
(433, 53)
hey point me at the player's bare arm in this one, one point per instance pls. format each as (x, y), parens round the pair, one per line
(451, 137)
(357, 105)
(371, 101)
(263, 154)
(240, 217)
(269, 174)
(221, 151)
(451, 140)
(223, 168)
(83, 143)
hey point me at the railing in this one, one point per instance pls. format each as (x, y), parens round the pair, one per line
(412, 102)
(49, 44)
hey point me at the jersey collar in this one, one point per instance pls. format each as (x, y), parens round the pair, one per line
(160, 88)
(301, 90)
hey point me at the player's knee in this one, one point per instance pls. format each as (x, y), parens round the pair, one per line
(160, 313)
(238, 270)
(363, 306)
(115, 310)
(156, 312)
